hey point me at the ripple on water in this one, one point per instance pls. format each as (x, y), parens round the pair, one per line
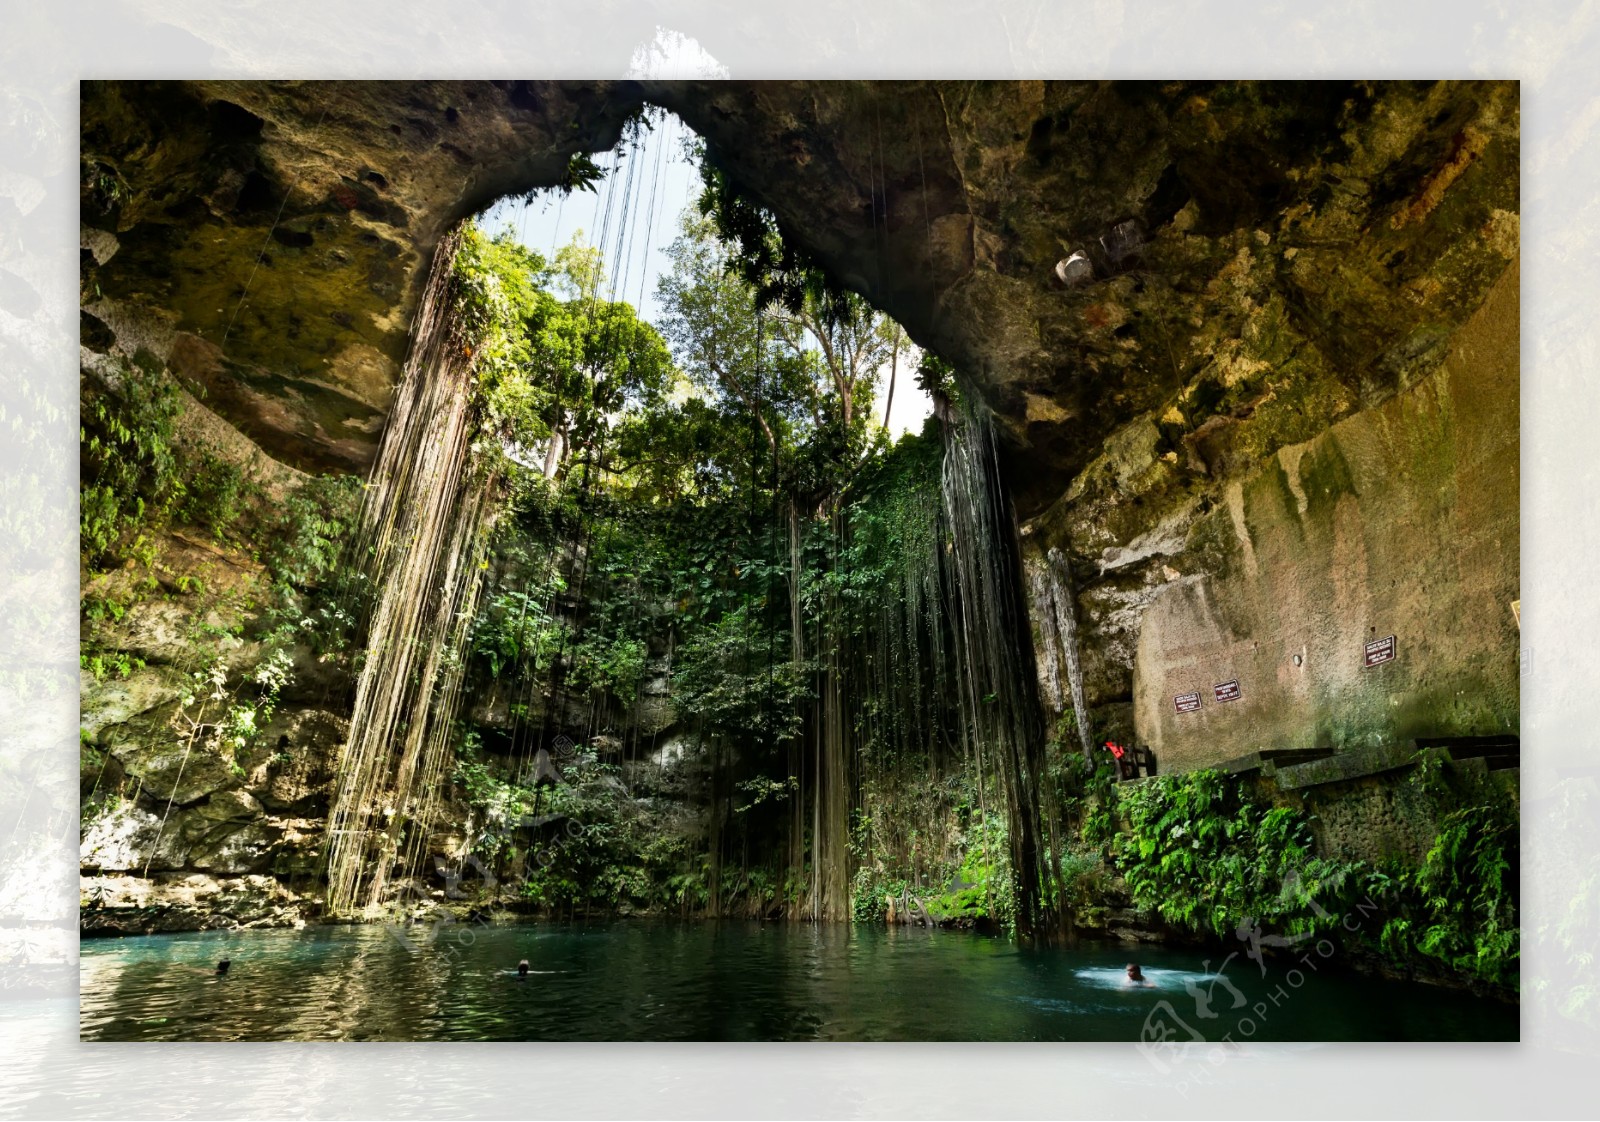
(1160, 978)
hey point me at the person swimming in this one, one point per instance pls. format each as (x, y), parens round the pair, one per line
(522, 969)
(222, 967)
(1136, 976)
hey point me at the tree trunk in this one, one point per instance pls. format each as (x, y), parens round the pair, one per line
(894, 361)
(557, 450)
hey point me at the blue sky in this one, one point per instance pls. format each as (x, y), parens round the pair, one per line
(664, 183)
(661, 174)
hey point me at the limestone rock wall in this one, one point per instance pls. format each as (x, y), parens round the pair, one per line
(1299, 494)
(175, 833)
(275, 234)
(1401, 520)
(180, 828)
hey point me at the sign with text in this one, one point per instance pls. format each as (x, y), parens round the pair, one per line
(1227, 691)
(1379, 651)
(1187, 702)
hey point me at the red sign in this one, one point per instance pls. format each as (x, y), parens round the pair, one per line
(1379, 651)
(1227, 691)
(1187, 702)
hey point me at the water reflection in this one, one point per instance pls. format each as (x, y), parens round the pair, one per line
(729, 981)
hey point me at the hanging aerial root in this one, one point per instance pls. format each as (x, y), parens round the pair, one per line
(995, 659)
(424, 526)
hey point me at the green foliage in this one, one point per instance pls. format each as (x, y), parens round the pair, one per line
(312, 529)
(671, 518)
(736, 682)
(1204, 857)
(1459, 908)
(585, 844)
(983, 887)
(223, 715)
(1090, 797)
(753, 793)
(937, 378)
(102, 608)
(137, 479)
(303, 542)
(514, 627)
(212, 493)
(499, 296)
(128, 463)
(583, 174)
(609, 664)
(307, 535)
(1462, 901)
(794, 386)
(135, 476)
(893, 530)
(777, 269)
(543, 363)
(499, 805)
(1083, 881)
(599, 849)
(870, 893)
(1430, 775)
(973, 887)
(110, 664)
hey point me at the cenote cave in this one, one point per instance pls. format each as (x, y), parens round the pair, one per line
(911, 561)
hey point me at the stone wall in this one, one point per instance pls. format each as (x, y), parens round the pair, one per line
(1381, 817)
(1401, 520)
(1377, 805)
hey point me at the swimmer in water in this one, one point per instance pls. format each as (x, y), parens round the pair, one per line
(222, 968)
(522, 969)
(1136, 977)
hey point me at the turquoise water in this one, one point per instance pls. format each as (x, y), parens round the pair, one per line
(634, 980)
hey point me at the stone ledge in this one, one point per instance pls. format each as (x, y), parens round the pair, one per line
(1353, 764)
(1268, 760)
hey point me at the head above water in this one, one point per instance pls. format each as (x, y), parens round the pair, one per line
(1134, 973)
(222, 967)
(522, 969)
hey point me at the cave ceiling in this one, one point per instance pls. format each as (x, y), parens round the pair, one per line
(1231, 265)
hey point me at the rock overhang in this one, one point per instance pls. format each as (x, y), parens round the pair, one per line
(1263, 258)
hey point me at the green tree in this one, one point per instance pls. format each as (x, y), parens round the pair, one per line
(553, 372)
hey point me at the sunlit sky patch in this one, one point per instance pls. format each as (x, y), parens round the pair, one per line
(666, 184)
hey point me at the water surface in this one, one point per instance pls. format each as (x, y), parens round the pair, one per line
(635, 980)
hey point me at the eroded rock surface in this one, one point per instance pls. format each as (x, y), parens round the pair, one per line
(1262, 258)
(130, 905)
